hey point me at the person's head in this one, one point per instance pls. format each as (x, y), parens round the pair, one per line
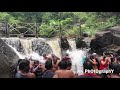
(104, 57)
(36, 63)
(19, 61)
(45, 56)
(62, 64)
(94, 54)
(87, 65)
(49, 59)
(91, 57)
(69, 65)
(112, 59)
(55, 58)
(24, 65)
(48, 65)
(118, 59)
(116, 67)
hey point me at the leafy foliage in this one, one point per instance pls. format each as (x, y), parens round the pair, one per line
(70, 22)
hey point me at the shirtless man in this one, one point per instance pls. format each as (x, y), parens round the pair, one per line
(63, 72)
(23, 71)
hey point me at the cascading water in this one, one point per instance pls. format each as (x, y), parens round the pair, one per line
(72, 44)
(20, 55)
(54, 44)
(27, 45)
(35, 47)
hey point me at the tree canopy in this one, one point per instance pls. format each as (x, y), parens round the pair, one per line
(70, 22)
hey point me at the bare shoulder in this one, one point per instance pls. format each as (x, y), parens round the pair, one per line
(57, 71)
(55, 76)
(69, 71)
(31, 75)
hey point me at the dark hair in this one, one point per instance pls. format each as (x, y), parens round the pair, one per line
(87, 65)
(24, 65)
(118, 58)
(91, 57)
(44, 55)
(48, 65)
(69, 64)
(116, 67)
(19, 61)
(112, 59)
(36, 62)
(62, 64)
(49, 59)
(104, 57)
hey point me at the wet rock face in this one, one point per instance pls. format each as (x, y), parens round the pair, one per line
(8, 59)
(14, 42)
(40, 46)
(106, 40)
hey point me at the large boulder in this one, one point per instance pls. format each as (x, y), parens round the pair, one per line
(8, 58)
(40, 46)
(107, 40)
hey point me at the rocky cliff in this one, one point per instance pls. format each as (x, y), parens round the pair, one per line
(8, 58)
(107, 40)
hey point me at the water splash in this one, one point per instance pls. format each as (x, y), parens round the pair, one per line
(20, 55)
(72, 44)
(54, 44)
(35, 56)
(27, 45)
(77, 58)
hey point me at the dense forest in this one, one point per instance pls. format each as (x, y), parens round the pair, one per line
(70, 23)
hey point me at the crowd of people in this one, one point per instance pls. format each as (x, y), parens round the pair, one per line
(56, 68)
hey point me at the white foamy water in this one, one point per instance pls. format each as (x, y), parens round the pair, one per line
(35, 56)
(20, 55)
(72, 44)
(77, 58)
(27, 45)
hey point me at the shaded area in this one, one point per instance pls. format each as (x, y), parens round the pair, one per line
(8, 59)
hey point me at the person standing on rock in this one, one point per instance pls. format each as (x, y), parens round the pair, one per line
(64, 45)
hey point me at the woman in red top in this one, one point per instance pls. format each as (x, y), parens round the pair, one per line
(104, 63)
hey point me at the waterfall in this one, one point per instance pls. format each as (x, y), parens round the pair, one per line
(35, 47)
(72, 44)
(19, 55)
(54, 44)
(27, 46)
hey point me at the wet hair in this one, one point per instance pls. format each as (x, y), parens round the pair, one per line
(24, 65)
(19, 61)
(62, 64)
(69, 64)
(48, 65)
